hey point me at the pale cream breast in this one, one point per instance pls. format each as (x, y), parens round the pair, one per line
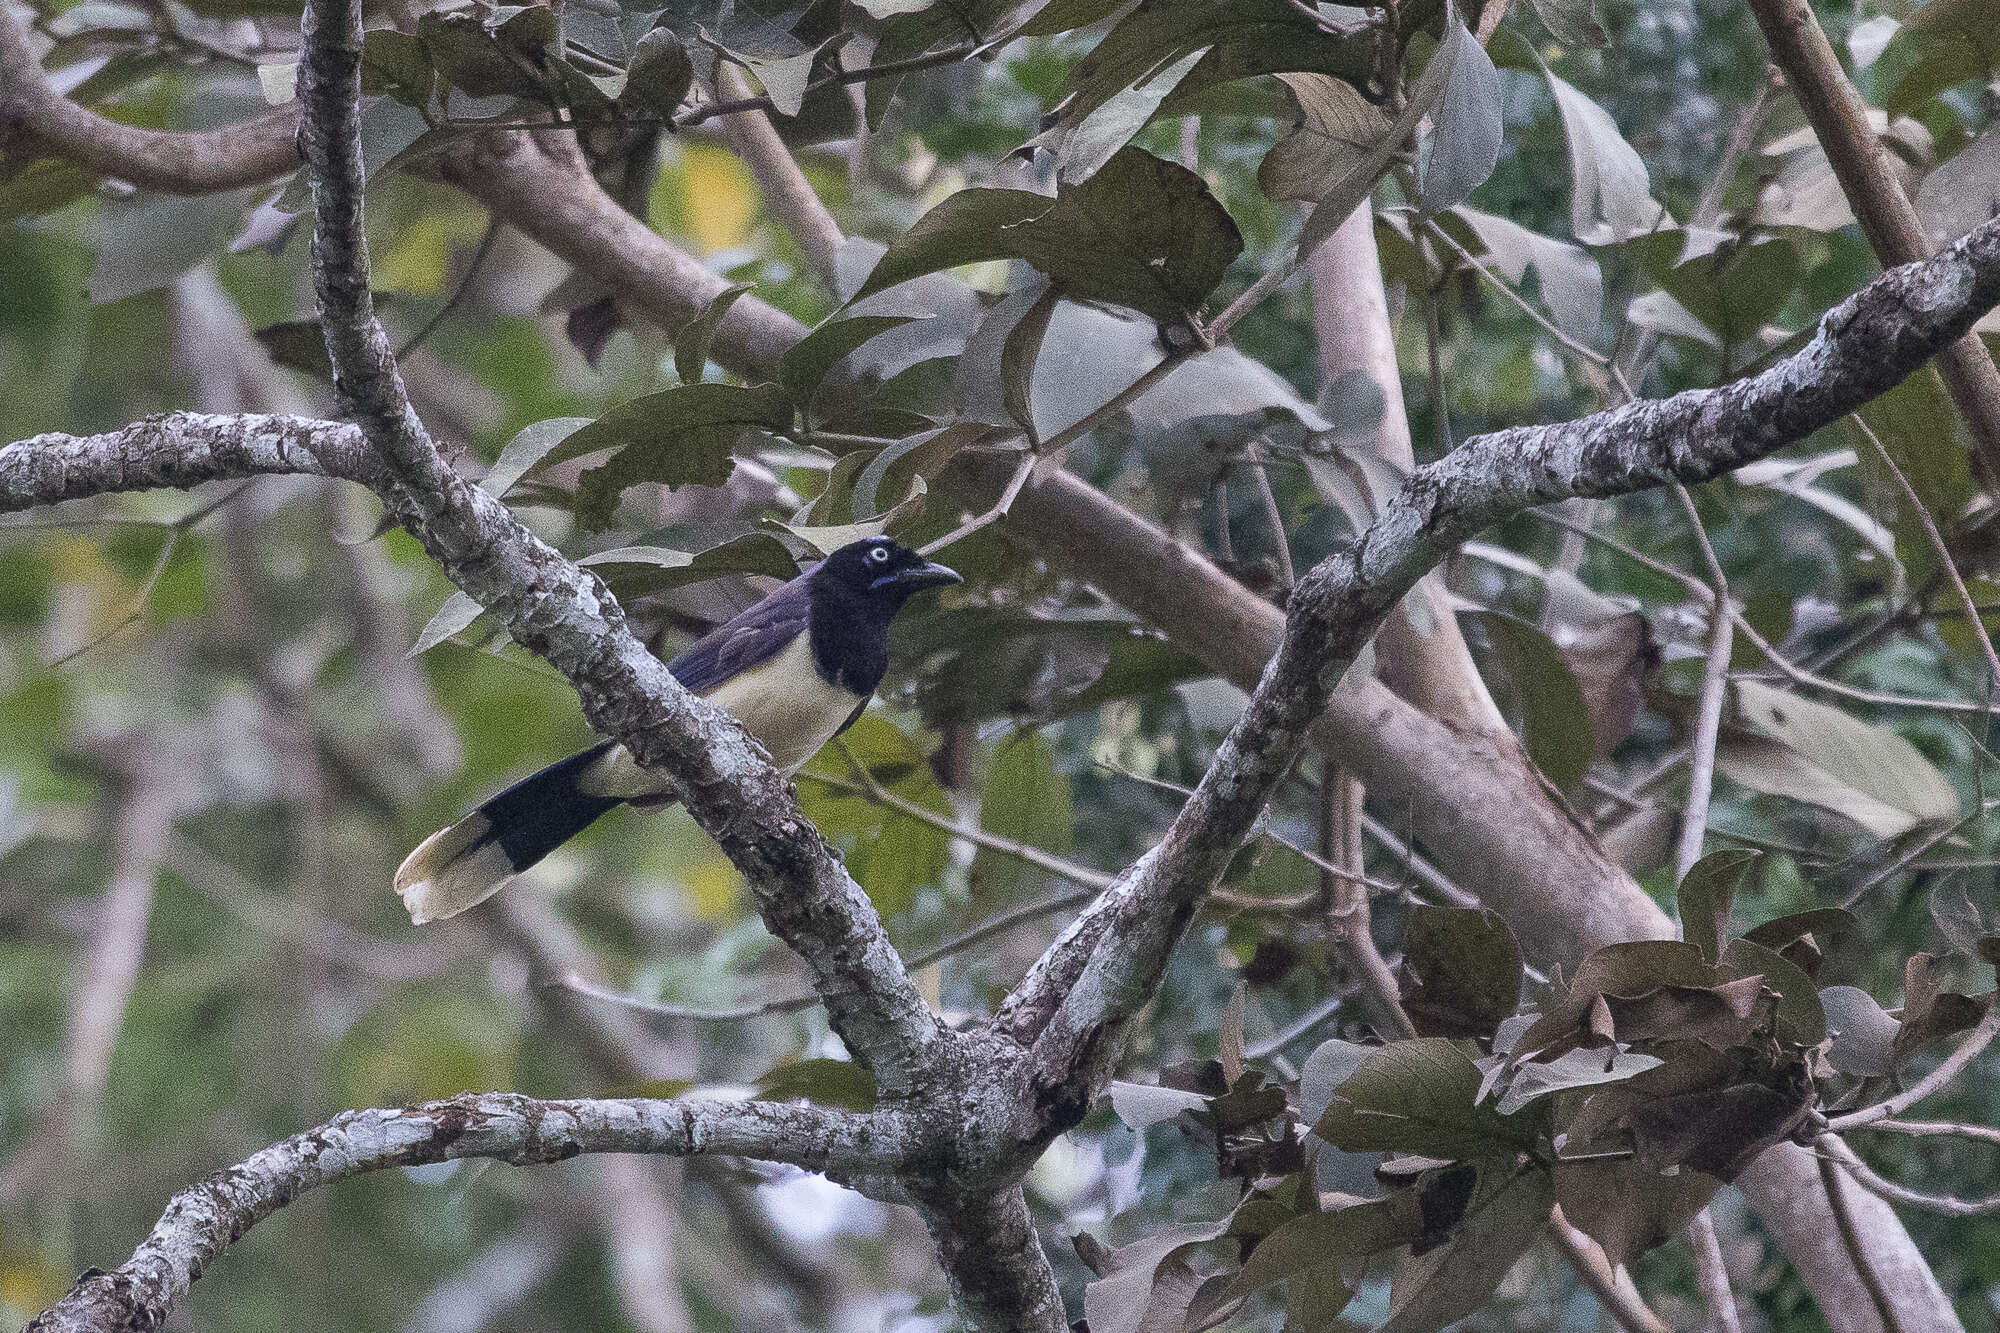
(784, 703)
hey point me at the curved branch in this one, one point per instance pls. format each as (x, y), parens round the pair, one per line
(1863, 347)
(203, 1220)
(176, 161)
(568, 617)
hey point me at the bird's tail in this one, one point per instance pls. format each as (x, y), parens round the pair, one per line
(465, 864)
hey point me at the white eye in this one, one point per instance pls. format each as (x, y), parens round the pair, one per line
(879, 554)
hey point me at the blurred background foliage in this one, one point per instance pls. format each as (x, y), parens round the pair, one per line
(207, 701)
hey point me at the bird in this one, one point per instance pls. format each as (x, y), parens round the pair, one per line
(796, 669)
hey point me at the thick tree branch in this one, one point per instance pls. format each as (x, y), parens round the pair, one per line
(1861, 164)
(568, 617)
(1863, 347)
(35, 116)
(203, 1220)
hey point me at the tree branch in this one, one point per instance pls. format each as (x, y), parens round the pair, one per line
(1840, 119)
(569, 618)
(176, 161)
(1863, 347)
(203, 1220)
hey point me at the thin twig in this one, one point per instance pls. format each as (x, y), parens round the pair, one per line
(1708, 710)
(465, 281)
(1948, 1069)
(1946, 563)
(1924, 1129)
(1875, 1183)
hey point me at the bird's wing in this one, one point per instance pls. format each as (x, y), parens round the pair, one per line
(749, 638)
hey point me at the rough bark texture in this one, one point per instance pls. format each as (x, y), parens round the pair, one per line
(971, 1112)
(1861, 164)
(205, 1219)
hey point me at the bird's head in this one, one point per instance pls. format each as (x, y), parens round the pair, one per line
(880, 571)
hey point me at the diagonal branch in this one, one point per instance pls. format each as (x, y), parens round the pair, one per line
(1107, 965)
(203, 1220)
(569, 618)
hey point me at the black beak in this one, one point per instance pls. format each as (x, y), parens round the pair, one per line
(927, 575)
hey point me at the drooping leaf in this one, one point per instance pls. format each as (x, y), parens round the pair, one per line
(692, 342)
(1706, 895)
(398, 64)
(828, 538)
(807, 362)
(1571, 22)
(641, 571)
(1945, 42)
(455, 616)
(1416, 1096)
(1461, 971)
(1337, 129)
(1611, 196)
(1018, 356)
(1143, 232)
(1327, 1240)
(1508, 1211)
(1466, 131)
(676, 437)
(527, 450)
(1087, 145)
(1027, 800)
(1629, 1209)
(1816, 753)
(1864, 1036)
(657, 80)
(1555, 721)
(1119, 1302)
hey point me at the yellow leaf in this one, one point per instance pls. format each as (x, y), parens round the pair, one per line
(719, 198)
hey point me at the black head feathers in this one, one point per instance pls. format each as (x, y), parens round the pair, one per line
(878, 570)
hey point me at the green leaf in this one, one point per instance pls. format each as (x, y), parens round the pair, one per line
(641, 571)
(896, 469)
(1088, 144)
(1864, 1036)
(1571, 22)
(147, 240)
(397, 64)
(1417, 1096)
(1018, 356)
(807, 362)
(1945, 42)
(828, 538)
(677, 437)
(1509, 1209)
(1331, 1064)
(1611, 194)
(692, 342)
(1818, 754)
(1313, 1242)
(1066, 15)
(526, 451)
(1801, 1020)
(1705, 897)
(656, 83)
(1026, 800)
(455, 616)
(890, 855)
(473, 58)
(1143, 232)
(965, 228)
(1555, 720)
(1627, 1208)
(1337, 130)
(1466, 131)
(1461, 971)
(839, 1083)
